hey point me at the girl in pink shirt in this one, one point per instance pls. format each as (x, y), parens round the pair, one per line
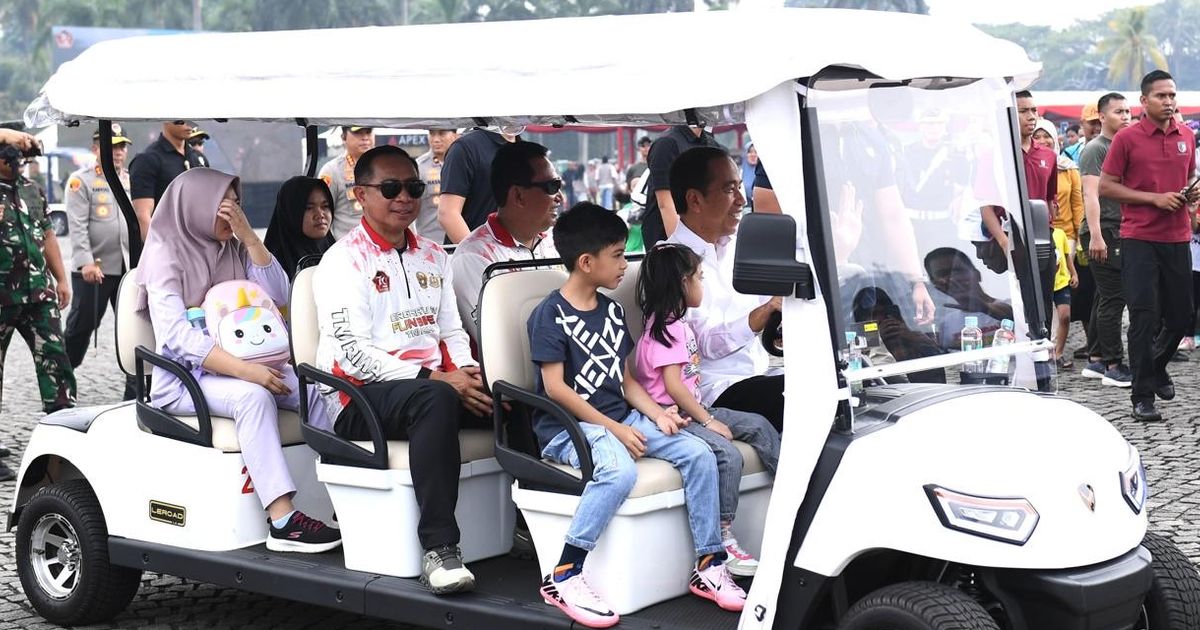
(667, 363)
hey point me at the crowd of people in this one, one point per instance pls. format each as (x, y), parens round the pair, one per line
(397, 313)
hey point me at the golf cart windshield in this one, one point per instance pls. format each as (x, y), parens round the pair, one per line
(908, 174)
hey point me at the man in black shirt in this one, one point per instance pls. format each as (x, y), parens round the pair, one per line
(466, 199)
(153, 169)
(660, 218)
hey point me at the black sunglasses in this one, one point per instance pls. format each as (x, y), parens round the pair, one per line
(195, 143)
(550, 186)
(390, 188)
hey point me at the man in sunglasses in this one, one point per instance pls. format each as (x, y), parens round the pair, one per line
(388, 322)
(529, 192)
(156, 167)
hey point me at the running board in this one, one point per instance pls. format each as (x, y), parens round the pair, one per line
(320, 579)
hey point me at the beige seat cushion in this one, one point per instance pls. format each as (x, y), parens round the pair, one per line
(656, 476)
(473, 445)
(224, 433)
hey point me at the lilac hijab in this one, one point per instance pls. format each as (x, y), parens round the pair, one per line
(182, 254)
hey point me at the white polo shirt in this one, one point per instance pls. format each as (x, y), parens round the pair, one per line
(729, 350)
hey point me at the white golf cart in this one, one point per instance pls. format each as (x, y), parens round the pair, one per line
(903, 500)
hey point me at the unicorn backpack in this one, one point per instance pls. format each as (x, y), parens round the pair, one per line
(244, 322)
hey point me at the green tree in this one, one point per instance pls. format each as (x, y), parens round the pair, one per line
(1129, 47)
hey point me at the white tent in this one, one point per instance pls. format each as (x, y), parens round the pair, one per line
(544, 72)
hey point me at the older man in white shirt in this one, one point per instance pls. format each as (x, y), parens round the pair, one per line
(706, 186)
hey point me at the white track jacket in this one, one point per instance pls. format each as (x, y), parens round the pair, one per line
(385, 313)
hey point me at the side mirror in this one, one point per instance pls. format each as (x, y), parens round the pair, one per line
(764, 262)
(1043, 240)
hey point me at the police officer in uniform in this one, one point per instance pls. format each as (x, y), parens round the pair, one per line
(29, 299)
(196, 141)
(99, 246)
(338, 174)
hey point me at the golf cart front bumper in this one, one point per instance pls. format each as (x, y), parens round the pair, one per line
(1106, 596)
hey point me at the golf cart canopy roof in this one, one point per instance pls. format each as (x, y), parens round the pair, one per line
(512, 72)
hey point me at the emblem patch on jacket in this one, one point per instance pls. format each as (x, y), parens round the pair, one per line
(383, 283)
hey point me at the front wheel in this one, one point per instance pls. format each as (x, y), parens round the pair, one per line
(1173, 602)
(62, 558)
(917, 606)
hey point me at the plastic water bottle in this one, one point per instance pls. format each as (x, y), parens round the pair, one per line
(972, 339)
(1003, 337)
(853, 353)
(195, 317)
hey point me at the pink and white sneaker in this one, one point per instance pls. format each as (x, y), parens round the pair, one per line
(739, 561)
(574, 597)
(717, 584)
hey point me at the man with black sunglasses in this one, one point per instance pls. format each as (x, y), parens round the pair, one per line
(156, 167)
(530, 193)
(389, 324)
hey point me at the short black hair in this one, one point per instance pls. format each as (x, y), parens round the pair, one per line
(1108, 98)
(364, 168)
(511, 167)
(586, 229)
(1023, 94)
(690, 171)
(1074, 128)
(644, 140)
(1153, 77)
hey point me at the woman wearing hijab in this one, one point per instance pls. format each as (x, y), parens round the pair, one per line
(200, 237)
(1069, 219)
(300, 225)
(1070, 184)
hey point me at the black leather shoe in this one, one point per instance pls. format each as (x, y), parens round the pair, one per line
(6, 473)
(1145, 412)
(1165, 390)
(4, 452)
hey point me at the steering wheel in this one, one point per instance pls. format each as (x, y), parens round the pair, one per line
(772, 334)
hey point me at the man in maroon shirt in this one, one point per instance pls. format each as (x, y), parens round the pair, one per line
(1148, 167)
(1041, 182)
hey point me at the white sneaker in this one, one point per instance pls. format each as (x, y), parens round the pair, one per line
(739, 561)
(574, 597)
(442, 570)
(717, 584)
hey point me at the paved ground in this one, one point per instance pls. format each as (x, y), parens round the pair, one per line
(1171, 452)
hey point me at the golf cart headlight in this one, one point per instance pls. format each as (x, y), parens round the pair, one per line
(1133, 482)
(1010, 520)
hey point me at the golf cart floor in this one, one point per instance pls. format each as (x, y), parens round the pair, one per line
(501, 584)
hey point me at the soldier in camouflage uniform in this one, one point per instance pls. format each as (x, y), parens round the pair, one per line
(29, 299)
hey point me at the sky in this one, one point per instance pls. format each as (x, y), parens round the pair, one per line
(1057, 13)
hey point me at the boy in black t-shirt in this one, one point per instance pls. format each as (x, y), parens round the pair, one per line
(579, 341)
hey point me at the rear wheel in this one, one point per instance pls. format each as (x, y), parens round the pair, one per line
(62, 558)
(1173, 602)
(917, 606)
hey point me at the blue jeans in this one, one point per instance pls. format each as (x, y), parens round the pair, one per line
(750, 428)
(615, 473)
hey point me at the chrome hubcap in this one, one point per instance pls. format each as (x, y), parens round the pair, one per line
(55, 556)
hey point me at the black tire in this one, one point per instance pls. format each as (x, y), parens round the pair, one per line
(95, 590)
(917, 606)
(1173, 602)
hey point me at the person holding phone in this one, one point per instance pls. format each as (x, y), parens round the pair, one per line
(1148, 169)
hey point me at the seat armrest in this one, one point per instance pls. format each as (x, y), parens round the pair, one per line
(160, 422)
(332, 448)
(528, 468)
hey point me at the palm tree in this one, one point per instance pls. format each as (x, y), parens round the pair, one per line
(1130, 46)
